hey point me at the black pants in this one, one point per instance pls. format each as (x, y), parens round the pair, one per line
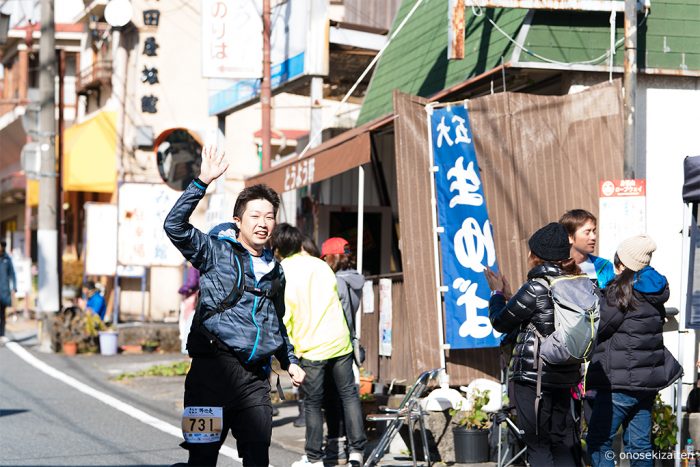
(557, 436)
(3, 319)
(243, 391)
(340, 370)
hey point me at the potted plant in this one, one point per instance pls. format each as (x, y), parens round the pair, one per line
(149, 345)
(68, 330)
(366, 380)
(471, 433)
(70, 348)
(664, 428)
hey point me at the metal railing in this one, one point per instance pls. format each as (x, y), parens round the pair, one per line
(95, 76)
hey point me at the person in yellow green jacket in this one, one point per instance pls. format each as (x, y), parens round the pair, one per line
(316, 326)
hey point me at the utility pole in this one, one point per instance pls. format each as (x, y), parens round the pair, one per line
(630, 87)
(47, 236)
(265, 89)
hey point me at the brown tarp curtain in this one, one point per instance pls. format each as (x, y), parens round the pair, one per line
(539, 156)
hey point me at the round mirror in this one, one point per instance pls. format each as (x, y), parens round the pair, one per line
(179, 157)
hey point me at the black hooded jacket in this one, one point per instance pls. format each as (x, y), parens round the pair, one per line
(630, 353)
(531, 306)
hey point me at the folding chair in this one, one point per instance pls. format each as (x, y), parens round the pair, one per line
(499, 418)
(408, 412)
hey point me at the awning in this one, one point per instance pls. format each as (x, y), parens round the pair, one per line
(89, 154)
(337, 155)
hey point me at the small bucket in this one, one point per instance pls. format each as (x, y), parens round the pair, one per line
(108, 342)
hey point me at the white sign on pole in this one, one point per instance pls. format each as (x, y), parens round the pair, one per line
(298, 47)
(367, 297)
(101, 239)
(47, 300)
(229, 31)
(622, 213)
(141, 238)
(23, 275)
(215, 211)
(385, 317)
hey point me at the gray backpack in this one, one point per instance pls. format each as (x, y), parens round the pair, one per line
(576, 318)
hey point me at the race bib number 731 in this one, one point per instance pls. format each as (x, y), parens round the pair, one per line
(202, 424)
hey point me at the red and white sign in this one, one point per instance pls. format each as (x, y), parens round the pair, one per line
(622, 213)
(611, 188)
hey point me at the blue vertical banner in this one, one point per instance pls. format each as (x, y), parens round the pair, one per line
(466, 241)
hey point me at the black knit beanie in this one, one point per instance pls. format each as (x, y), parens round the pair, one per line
(551, 243)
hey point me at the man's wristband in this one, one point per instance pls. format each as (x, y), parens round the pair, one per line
(200, 184)
(497, 292)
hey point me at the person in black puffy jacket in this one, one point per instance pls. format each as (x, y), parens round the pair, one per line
(630, 363)
(550, 435)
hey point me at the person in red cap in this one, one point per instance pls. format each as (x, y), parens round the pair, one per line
(337, 253)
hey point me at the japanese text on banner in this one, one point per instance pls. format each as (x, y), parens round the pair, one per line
(466, 243)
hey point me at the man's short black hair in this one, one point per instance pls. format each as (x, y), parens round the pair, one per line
(286, 239)
(90, 285)
(260, 191)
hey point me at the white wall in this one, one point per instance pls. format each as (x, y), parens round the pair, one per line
(669, 133)
(672, 132)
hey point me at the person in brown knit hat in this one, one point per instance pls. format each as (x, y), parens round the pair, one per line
(635, 252)
(630, 364)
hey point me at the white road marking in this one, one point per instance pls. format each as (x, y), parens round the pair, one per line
(123, 407)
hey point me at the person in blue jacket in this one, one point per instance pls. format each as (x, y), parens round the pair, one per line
(8, 284)
(581, 226)
(237, 326)
(95, 300)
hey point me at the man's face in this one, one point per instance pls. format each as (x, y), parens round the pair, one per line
(256, 224)
(584, 238)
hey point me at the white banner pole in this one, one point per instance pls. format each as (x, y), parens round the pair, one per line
(436, 256)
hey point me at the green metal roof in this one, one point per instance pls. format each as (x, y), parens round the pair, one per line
(668, 38)
(415, 62)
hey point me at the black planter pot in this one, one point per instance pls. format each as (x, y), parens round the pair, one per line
(471, 446)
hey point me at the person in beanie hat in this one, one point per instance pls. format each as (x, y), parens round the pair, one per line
(550, 243)
(635, 252)
(630, 364)
(550, 435)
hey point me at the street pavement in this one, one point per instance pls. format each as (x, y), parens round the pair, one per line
(46, 421)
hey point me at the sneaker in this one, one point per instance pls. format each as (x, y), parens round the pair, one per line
(304, 462)
(355, 459)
